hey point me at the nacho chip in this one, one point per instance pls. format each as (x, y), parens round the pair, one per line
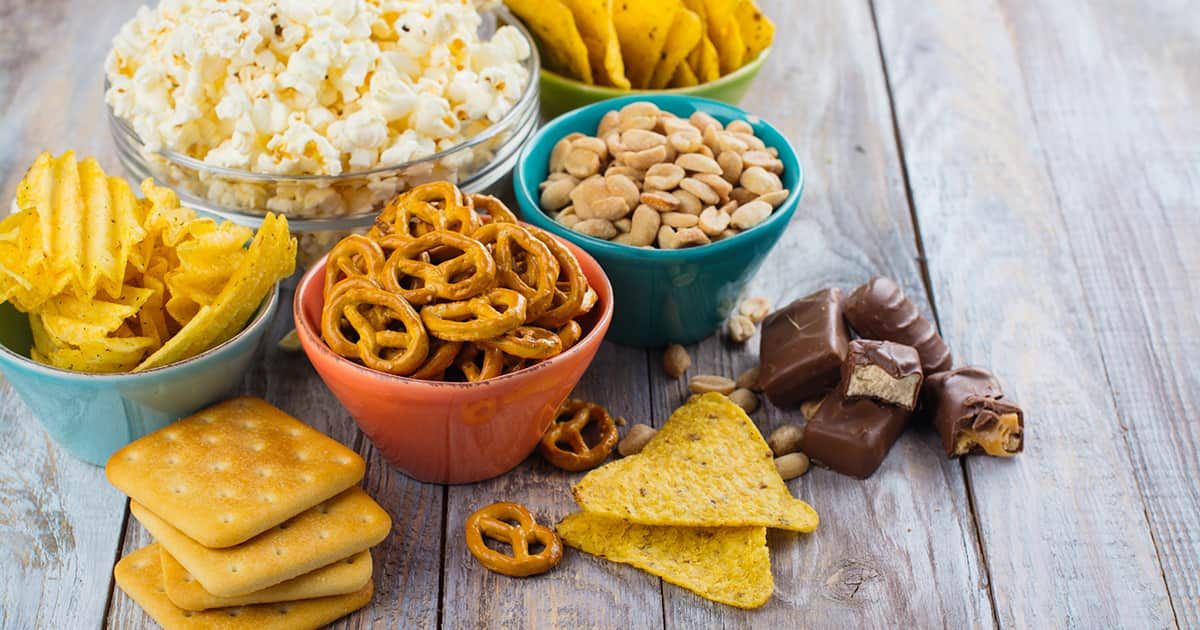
(723, 32)
(683, 77)
(756, 29)
(595, 23)
(684, 36)
(554, 26)
(707, 467)
(642, 28)
(729, 565)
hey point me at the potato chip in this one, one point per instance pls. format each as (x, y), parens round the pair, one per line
(595, 23)
(730, 565)
(683, 77)
(554, 25)
(642, 28)
(756, 29)
(707, 467)
(682, 38)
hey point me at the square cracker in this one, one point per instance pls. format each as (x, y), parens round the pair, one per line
(140, 575)
(341, 577)
(331, 531)
(233, 471)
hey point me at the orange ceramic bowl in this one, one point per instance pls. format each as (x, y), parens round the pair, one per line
(453, 432)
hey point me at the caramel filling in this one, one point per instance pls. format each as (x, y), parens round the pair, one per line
(1001, 438)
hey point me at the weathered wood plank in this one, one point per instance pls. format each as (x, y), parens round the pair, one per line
(1115, 94)
(1063, 526)
(899, 549)
(582, 592)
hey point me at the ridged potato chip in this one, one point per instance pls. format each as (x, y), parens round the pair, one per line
(707, 467)
(729, 565)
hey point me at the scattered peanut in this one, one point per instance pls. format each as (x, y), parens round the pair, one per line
(809, 408)
(792, 465)
(786, 439)
(676, 360)
(635, 440)
(740, 328)
(749, 380)
(704, 383)
(745, 399)
(756, 308)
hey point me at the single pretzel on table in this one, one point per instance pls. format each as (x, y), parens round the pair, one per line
(496, 521)
(570, 423)
(371, 314)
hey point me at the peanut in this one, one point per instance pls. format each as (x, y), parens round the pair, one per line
(599, 228)
(729, 208)
(753, 142)
(739, 126)
(713, 221)
(675, 125)
(750, 215)
(729, 142)
(661, 201)
(685, 141)
(717, 183)
(691, 237)
(641, 139)
(643, 160)
(623, 187)
(558, 154)
(745, 399)
(567, 220)
(756, 308)
(663, 177)
(704, 383)
(731, 166)
(581, 163)
(697, 163)
(740, 328)
(702, 191)
(634, 441)
(633, 174)
(609, 122)
(679, 219)
(761, 159)
(688, 202)
(786, 439)
(595, 145)
(760, 181)
(809, 408)
(644, 226)
(792, 465)
(704, 121)
(749, 379)
(557, 194)
(624, 238)
(623, 225)
(741, 195)
(775, 198)
(676, 360)
(666, 237)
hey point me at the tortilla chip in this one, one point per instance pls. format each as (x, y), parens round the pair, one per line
(595, 23)
(723, 31)
(684, 36)
(729, 565)
(757, 29)
(683, 77)
(707, 467)
(554, 27)
(642, 27)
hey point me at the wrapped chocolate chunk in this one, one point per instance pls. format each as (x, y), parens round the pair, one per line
(879, 310)
(882, 370)
(970, 413)
(853, 437)
(803, 346)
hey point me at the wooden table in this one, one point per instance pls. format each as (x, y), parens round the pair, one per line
(1028, 171)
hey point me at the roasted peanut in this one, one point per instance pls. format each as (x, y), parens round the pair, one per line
(685, 141)
(679, 219)
(731, 166)
(761, 159)
(750, 215)
(753, 142)
(633, 174)
(599, 228)
(567, 220)
(558, 154)
(661, 201)
(740, 328)
(741, 195)
(644, 226)
(556, 194)
(623, 225)
(745, 399)
(717, 183)
(792, 465)
(624, 238)
(666, 237)
(642, 139)
(663, 177)
(634, 441)
(704, 383)
(609, 122)
(643, 160)
(739, 126)
(756, 308)
(702, 191)
(688, 202)
(595, 145)
(624, 187)
(809, 408)
(703, 121)
(613, 142)
(713, 221)
(674, 125)
(760, 181)
(729, 142)
(729, 208)
(786, 439)
(676, 360)
(697, 163)
(775, 198)
(749, 379)
(581, 163)
(691, 237)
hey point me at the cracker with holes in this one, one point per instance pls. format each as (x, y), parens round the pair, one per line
(233, 471)
(140, 575)
(333, 530)
(340, 578)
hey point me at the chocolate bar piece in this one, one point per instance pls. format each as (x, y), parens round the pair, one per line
(802, 349)
(882, 370)
(853, 436)
(969, 412)
(879, 310)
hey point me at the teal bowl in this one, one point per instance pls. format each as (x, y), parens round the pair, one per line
(560, 94)
(665, 296)
(94, 415)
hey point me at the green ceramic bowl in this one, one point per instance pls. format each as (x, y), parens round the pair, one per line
(561, 95)
(663, 296)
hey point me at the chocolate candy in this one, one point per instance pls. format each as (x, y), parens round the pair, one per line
(879, 310)
(853, 436)
(803, 345)
(884, 371)
(967, 408)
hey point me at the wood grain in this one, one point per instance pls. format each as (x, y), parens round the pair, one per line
(1063, 525)
(899, 549)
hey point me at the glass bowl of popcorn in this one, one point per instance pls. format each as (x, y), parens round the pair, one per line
(320, 111)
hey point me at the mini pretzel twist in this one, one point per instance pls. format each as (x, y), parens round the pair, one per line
(528, 342)
(523, 263)
(371, 314)
(568, 429)
(456, 276)
(355, 256)
(571, 286)
(493, 522)
(494, 209)
(489, 315)
(440, 359)
(428, 207)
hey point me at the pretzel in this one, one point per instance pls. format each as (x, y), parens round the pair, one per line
(377, 346)
(570, 287)
(476, 319)
(440, 359)
(478, 363)
(570, 432)
(493, 522)
(523, 263)
(528, 342)
(425, 208)
(454, 277)
(355, 256)
(569, 333)
(496, 211)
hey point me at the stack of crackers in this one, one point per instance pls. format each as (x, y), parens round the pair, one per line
(257, 520)
(693, 507)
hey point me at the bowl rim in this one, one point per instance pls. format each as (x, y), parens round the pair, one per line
(262, 318)
(748, 68)
(310, 338)
(532, 210)
(527, 101)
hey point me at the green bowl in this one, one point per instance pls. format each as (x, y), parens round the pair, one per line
(561, 95)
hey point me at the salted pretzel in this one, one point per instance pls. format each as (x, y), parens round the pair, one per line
(489, 315)
(571, 286)
(494, 209)
(464, 268)
(496, 522)
(478, 363)
(355, 256)
(572, 421)
(428, 207)
(441, 357)
(569, 333)
(372, 314)
(523, 263)
(528, 342)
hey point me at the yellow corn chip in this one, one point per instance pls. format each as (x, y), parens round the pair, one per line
(683, 37)
(729, 565)
(756, 29)
(708, 66)
(683, 77)
(707, 467)
(594, 19)
(561, 44)
(722, 30)
(642, 28)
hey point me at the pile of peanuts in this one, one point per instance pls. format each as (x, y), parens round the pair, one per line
(651, 178)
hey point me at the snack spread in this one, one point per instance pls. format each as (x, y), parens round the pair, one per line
(450, 286)
(493, 521)
(653, 44)
(803, 346)
(113, 283)
(565, 443)
(885, 371)
(879, 310)
(970, 412)
(650, 178)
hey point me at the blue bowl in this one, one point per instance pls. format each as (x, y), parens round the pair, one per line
(665, 296)
(94, 415)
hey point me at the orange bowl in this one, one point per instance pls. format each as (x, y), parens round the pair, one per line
(453, 432)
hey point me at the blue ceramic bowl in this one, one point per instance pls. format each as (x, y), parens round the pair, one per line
(665, 296)
(94, 415)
